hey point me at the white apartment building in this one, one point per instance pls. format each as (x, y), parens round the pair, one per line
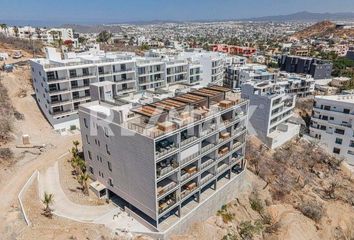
(44, 34)
(271, 110)
(299, 85)
(61, 84)
(236, 75)
(332, 124)
(168, 160)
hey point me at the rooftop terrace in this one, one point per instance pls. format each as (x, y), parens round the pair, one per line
(162, 117)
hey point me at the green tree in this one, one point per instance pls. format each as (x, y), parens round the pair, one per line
(83, 180)
(104, 36)
(4, 27)
(16, 31)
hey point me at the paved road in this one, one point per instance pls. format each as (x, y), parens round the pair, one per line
(49, 182)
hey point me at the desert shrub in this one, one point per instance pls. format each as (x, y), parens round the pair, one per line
(18, 115)
(6, 153)
(230, 236)
(247, 230)
(225, 214)
(256, 203)
(312, 210)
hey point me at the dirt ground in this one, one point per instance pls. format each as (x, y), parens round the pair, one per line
(57, 227)
(72, 188)
(287, 222)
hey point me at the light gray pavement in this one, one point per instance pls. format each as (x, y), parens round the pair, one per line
(49, 182)
(108, 215)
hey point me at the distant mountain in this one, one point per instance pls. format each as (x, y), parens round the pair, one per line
(93, 28)
(324, 29)
(306, 16)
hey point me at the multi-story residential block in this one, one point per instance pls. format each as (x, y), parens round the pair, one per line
(300, 85)
(235, 50)
(317, 68)
(213, 65)
(170, 159)
(238, 75)
(270, 112)
(62, 84)
(332, 124)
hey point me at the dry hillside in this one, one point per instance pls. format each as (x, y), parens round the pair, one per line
(298, 192)
(324, 29)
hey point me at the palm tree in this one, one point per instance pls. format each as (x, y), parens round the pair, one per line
(4, 27)
(39, 32)
(16, 31)
(48, 199)
(83, 179)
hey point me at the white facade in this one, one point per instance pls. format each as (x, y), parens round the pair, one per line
(332, 125)
(270, 112)
(44, 34)
(236, 75)
(62, 84)
(299, 85)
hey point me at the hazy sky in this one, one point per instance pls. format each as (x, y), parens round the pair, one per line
(80, 11)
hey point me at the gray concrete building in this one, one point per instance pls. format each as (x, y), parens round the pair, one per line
(270, 112)
(166, 159)
(317, 68)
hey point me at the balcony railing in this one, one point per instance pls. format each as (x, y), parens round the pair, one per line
(161, 190)
(189, 159)
(206, 163)
(188, 140)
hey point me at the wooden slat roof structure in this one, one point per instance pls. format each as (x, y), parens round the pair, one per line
(219, 88)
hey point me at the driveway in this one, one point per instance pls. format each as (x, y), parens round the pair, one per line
(49, 182)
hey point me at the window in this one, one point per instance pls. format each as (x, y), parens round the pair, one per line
(325, 118)
(351, 144)
(110, 181)
(89, 155)
(336, 150)
(109, 166)
(106, 132)
(346, 111)
(331, 118)
(87, 139)
(72, 73)
(339, 131)
(107, 150)
(339, 141)
(90, 169)
(328, 108)
(323, 128)
(85, 122)
(350, 152)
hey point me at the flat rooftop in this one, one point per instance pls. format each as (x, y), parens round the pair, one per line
(160, 117)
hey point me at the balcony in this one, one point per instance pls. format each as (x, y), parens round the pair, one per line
(221, 168)
(61, 113)
(89, 75)
(188, 140)
(123, 70)
(60, 102)
(163, 168)
(58, 79)
(206, 162)
(188, 189)
(224, 136)
(189, 159)
(167, 203)
(165, 186)
(87, 86)
(223, 151)
(58, 91)
(188, 172)
(165, 147)
(206, 147)
(206, 177)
